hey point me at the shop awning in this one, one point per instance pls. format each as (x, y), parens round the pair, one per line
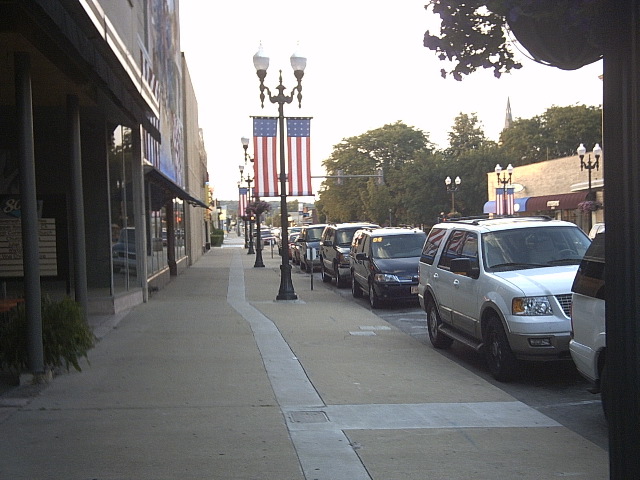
(562, 201)
(171, 189)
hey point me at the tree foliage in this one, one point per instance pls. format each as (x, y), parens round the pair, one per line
(387, 150)
(554, 134)
(472, 36)
(476, 33)
(414, 171)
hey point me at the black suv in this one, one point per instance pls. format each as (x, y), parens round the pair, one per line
(384, 263)
(307, 243)
(334, 251)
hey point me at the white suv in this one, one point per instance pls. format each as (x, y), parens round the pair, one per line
(588, 345)
(501, 286)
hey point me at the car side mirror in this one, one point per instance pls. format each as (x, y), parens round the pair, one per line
(465, 266)
(327, 243)
(361, 256)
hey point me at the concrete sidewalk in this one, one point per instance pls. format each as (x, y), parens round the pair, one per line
(214, 379)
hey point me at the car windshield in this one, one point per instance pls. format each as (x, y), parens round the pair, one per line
(344, 237)
(397, 246)
(314, 234)
(533, 247)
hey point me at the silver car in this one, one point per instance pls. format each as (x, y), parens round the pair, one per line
(588, 344)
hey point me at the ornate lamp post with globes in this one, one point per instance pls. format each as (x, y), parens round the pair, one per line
(452, 187)
(248, 214)
(504, 181)
(591, 205)
(259, 262)
(298, 63)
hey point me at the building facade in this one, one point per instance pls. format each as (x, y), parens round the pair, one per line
(103, 177)
(558, 188)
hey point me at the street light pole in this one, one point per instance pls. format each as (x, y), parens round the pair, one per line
(452, 187)
(298, 63)
(259, 262)
(244, 216)
(597, 151)
(504, 181)
(247, 214)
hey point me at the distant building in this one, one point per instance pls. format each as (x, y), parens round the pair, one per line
(508, 119)
(555, 188)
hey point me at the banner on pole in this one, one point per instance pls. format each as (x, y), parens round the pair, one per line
(298, 141)
(265, 159)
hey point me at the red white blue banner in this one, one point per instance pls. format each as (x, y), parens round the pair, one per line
(265, 173)
(504, 203)
(298, 141)
(242, 201)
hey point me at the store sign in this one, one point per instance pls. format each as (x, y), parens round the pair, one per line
(11, 253)
(553, 204)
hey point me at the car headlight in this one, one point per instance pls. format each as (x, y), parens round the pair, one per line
(531, 306)
(385, 278)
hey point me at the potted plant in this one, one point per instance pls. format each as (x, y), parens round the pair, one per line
(66, 336)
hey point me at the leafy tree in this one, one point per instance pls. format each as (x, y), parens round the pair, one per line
(470, 155)
(476, 33)
(385, 149)
(554, 134)
(466, 134)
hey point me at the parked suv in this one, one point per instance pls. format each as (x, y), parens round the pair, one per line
(501, 286)
(384, 263)
(334, 251)
(309, 238)
(588, 345)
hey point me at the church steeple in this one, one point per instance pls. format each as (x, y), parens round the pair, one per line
(508, 119)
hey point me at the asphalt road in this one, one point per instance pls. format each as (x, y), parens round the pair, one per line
(555, 389)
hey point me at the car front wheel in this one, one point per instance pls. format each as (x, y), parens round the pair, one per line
(356, 291)
(325, 277)
(374, 300)
(437, 338)
(500, 359)
(341, 282)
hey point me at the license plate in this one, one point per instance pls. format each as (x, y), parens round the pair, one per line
(414, 289)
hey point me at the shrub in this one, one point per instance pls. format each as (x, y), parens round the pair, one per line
(217, 237)
(66, 336)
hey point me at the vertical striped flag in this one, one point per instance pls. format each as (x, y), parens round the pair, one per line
(501, 202)
(298, 133)
(242, 201)
(264, 150)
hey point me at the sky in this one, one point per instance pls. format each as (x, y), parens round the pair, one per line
(366, 68)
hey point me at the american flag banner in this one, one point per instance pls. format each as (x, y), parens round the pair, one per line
(501, 202)
(242, 201)
(298, 133)
(265, 173)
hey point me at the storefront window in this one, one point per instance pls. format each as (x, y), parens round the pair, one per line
(123, 232)
(158, 232)
(178, 209)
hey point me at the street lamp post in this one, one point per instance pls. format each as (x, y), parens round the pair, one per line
(298, 63)
(504, 181)
(452, 187)
(247, 215)
(597, 151)
(244, 216)
(259, 262)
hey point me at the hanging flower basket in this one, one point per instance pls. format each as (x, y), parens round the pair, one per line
(565, 34)
(258, 208)
(589, 206)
